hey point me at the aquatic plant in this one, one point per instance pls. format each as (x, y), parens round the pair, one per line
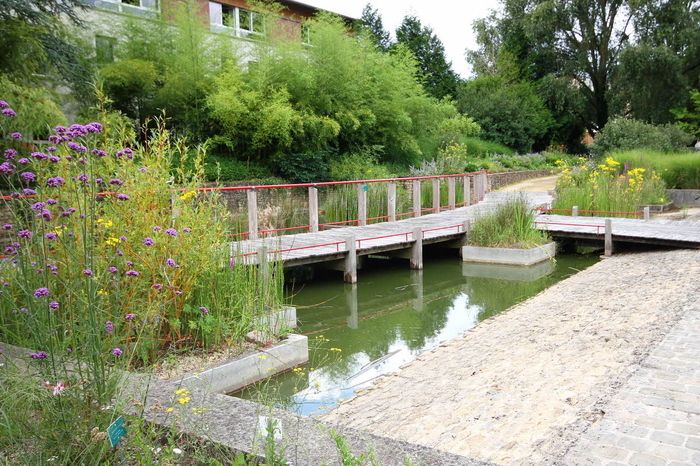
(511, 225)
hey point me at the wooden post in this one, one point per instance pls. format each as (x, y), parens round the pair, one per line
(574, 211)
(351, 303)
(436, 195)
(391, 202)
(263, 267)
(482, 186)
(451, 196)
(467, 191)
(252, 213)
(647, 213)
(313, 209)
(350, 274)
(416, 198)
(417, 249)
(608, 238)
(362, 204)
(477, 188)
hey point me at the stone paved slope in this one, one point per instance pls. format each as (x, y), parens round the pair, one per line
(523, 386)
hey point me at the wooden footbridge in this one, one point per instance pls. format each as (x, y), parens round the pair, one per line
(343, 247)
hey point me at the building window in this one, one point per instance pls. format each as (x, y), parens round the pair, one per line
(305, 34)
(148, 4)
(104, 49)
(242, 22)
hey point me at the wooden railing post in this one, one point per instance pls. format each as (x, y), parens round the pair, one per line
(436, 195)
(647, 213)
(391, 202)
(608, 238)
(313, 209)
(416, 198)
(451, 195)
(467, 190)
(350, 274)
(252, 213)
(362, 204)
(417, 249)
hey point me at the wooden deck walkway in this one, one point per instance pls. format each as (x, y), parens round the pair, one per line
(677, 233)
(331, 245)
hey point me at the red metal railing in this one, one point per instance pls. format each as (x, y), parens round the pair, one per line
(596, 225)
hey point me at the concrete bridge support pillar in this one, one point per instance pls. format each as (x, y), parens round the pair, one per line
(451, 196)
(252, 214)
(467, 226)
(467, 190)
(417, 249)
(417, 282)
(391, 202)
(313, 209)
(574, 211)
(416, 198)
(436, 195)
(362, 204)
(350, 273)
(608, 238)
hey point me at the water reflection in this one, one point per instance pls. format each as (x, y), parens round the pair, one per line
(360, 332)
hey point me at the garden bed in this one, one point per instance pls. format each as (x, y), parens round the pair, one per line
(509, 256)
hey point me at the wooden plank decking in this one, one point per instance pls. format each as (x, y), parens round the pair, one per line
(329, 245)
(676, 233)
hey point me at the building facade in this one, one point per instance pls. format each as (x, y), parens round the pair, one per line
(235, 18)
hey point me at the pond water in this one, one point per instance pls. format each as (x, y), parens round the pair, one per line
(360, 332)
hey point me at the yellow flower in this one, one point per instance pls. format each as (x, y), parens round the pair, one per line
(182, 392)
(105, 223)
(611, 162)
(112, 241)
(169, 410)
(298, 370)
(184, 400)
(336, 350)
(102, 292)
(188, 195)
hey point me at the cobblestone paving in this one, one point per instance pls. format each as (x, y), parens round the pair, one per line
(655, 418)
(522, 387)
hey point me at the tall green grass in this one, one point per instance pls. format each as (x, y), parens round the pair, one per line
(511, 225)
(679, 170)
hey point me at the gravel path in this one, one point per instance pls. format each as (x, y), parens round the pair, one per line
(543, 184)
(523, 386)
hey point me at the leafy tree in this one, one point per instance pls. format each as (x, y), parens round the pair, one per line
(648, 83)
(36, 108)
(689, 118)
(130, 84)
(371, 23)
(439, 79)
(625, 133)
(510, 113)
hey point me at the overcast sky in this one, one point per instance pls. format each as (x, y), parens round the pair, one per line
(450, 20)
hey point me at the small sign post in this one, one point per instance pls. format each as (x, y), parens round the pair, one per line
(116, 431)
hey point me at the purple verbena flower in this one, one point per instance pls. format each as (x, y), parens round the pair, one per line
(157, 286)
(112, 269)
(83, 178)
(203, 310)
(116, 182)
(37, 206)
(41, 292)
(55, 182)
(51, 236)
(126, 151)
(28, 192)
(117, 352)
(129, 317)
(109, 327)
(7, 226)
(157, 228)
(171, 231)
(16, 135)
(122, 197)
(87, 272)
(170, 262)
(55, 139)
(148, 241)
(132, 273)
(24, 234)
(39, 155)
(8, 112)
(46, 215)
(99, 153)
(10, 153)
(77, 147)
(54, 158)
(53, 305)
(6, 168)
(51, 201)
(39, 355)
(51, 149)
(4, 104)
(28, 176)
(23, 161)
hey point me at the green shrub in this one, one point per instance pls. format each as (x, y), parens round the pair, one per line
(679, 170)
(511, 225)
(302, 167)
(37, 109)
(227, 168)
(623, 133)
(361, 165)
(480, 147)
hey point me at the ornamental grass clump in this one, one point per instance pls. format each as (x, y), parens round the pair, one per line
(511, 225)
(112, 260)
(603, 188)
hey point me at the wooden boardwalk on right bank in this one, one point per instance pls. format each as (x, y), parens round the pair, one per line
(675, 233)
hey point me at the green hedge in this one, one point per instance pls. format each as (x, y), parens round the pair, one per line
(679, 170)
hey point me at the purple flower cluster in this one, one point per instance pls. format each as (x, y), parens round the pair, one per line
(53, 305)
(148, 241)
(171, 232)
(170, 262)
(117, 352)
(109, 327)
(41, 292)
(204, 310)
(129, 317)
(39, 355)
